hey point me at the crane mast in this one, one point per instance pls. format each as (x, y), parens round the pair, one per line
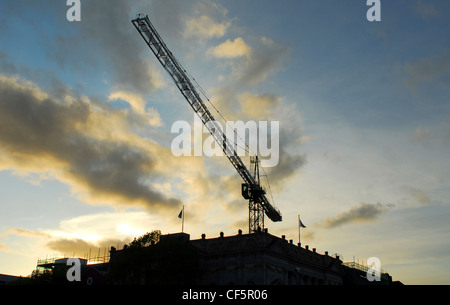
(251, 188)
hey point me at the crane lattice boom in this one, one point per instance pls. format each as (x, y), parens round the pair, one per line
(189, 91)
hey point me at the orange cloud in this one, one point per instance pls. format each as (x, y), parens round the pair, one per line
(231, 49)
(87, 145)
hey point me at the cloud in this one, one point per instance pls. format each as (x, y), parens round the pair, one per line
(80, 247)
(362, 213)
(102, 230)
(427, 69)
(189, 23)
(206, 27)
(137, 103)
(112, 40)
(92, 146)
(166, 15)
(288, 166)
(426, 10)
(107, 29)
(244, 106)
(203, 23)
(231, 49)
(208, 187)
(418, 195)
(27, 232)
(261, 59)
(70, 246)
(258, 106)
(88, 233)
(251, 64)
(83, 233)
(87, 145)
(291, 140)
(267, 58)
(422, 135)
(4, 248)
(445, 130)
(105, 36)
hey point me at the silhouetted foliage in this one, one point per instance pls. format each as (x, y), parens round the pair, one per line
(147, 260)
(146, 239)
(167, 261)
(54, 276)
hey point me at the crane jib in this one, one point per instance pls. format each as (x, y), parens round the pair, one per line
(188, 90)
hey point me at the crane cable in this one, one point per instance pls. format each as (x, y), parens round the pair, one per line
(247, 148)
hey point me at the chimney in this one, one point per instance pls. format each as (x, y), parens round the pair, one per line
(240, 232)
(314, 250)
(283, 237)
(221, 234)
(307, 247)
(290, 241)
(203, 236)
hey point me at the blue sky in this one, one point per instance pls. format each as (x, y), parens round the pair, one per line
(86, 111)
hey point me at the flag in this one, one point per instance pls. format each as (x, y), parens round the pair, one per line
(300, 223)
(181, 214)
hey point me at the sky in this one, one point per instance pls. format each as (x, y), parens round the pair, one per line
(363, 107)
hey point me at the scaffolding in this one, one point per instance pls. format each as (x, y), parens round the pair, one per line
(361, 267)
(99, 257)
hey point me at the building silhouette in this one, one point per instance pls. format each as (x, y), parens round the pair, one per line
(264, 259)
(258, 258)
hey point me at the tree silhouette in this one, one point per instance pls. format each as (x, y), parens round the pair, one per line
(146, 240)
(151, 261)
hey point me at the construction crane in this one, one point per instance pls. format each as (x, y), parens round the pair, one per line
(251, 189)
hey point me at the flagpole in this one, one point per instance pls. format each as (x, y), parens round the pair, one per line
(300, 225)
(182, 222)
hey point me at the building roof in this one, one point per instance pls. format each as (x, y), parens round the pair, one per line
(4, 278)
